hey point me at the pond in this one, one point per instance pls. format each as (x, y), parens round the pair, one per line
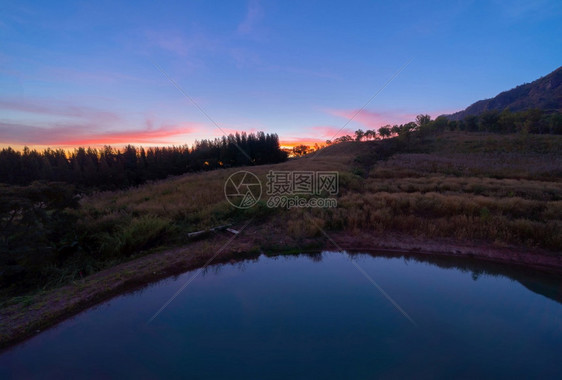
(328, 315)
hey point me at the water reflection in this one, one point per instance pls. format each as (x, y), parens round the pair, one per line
(315, 316)
(537, 281)
(540, 282)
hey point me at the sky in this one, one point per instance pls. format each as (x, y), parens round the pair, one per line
(82, 73)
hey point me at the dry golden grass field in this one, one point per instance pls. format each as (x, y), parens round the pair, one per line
(500, 189)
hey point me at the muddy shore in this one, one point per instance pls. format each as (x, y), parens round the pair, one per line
(23, 320)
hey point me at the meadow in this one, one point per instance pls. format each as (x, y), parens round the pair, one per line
(498, 189)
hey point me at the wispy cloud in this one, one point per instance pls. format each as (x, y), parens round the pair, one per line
(73, 75)
(60, 123)
(153, 136)
(48, 107)
(23, 134)
(191, 49)
(194, 47)
(328, 131)
(169, 41)
(254, 15)
(82, 135)
(375, 119)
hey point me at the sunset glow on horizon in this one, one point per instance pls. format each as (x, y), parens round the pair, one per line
(78, 74)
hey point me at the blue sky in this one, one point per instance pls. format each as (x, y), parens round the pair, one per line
(84, 73)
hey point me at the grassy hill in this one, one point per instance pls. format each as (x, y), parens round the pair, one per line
(498, 189)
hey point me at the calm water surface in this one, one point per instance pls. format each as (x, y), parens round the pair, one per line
(314, 317)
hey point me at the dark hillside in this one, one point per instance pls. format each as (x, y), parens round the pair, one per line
(544, 93)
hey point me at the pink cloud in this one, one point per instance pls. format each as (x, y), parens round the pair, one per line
(79, 125)
(372, 119)
(82, 135)
(162, 135)
(330, 132)
(376, 119)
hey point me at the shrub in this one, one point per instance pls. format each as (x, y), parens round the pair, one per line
(142, 233)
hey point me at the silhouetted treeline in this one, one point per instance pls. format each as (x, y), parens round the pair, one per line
(530, 121)
(493, 121)
(533, 121)
(109, 168)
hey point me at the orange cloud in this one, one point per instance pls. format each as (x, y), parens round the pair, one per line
(161, 135)
(291, 142)
(68, 124)
(81, 135)
(315, 135)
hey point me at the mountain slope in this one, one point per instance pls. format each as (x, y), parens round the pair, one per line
(544, 93)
